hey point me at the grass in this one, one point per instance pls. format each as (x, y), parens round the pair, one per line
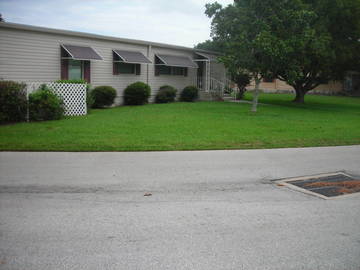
(322, 121)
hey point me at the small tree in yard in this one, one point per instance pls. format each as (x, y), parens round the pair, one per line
(302, 42)
(240, 76)
(237, 27)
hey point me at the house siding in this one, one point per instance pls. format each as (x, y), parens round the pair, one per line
(179, 82)
(34, 56)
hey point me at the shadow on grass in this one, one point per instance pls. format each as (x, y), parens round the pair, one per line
(312, 102)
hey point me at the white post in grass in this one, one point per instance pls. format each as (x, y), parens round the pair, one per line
(256, 93)
(27, 101)
(27, 107)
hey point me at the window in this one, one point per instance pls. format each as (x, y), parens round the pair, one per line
(127, 62)
(180, 71)
(75, 69)
(164, 70)
(167, 70)
(124, 68)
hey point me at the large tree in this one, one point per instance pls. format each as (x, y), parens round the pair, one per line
(210, 45)
(237, 31)
(302, 42)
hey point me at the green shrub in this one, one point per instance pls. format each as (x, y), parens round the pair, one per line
(13, 103)
(189, 94)
(137, 94)
(44, 104)
(166, 94)
(103, 96)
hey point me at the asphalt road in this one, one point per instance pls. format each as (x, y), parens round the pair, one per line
(209, 210)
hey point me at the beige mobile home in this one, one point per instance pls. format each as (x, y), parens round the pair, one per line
(38, 54)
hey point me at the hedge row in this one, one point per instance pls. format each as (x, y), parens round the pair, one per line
(138, 93)
(44, 104)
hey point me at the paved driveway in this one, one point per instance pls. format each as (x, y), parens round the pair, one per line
(209, 210)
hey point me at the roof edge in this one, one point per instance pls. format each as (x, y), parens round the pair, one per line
(206, 51)
(95, 36)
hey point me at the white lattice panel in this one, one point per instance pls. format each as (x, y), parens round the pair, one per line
(73, 95)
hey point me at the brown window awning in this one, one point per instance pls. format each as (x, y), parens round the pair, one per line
(81, 52)
(132, 57)
(176, 61)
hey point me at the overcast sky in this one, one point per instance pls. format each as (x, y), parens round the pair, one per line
(179, 22)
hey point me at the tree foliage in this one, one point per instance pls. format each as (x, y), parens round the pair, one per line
(237, 28)
(302, 42)
(210, 45)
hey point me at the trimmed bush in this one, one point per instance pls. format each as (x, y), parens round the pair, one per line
(137, 94)
(166, 94)
(44, 104)
(189, 94)
(103, 96)
(13, 103)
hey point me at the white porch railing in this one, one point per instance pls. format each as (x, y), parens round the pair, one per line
(199, 83)
(216, 88)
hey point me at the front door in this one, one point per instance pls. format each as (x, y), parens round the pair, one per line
(200, 75)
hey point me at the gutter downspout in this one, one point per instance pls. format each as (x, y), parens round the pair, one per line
(147, 66)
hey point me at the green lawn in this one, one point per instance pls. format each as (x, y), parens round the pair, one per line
(189, 126)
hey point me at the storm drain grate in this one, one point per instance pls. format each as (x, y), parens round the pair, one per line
(326, 186)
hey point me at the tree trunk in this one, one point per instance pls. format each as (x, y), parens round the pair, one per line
(240, 95)
(300, 95)
(256, 95)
